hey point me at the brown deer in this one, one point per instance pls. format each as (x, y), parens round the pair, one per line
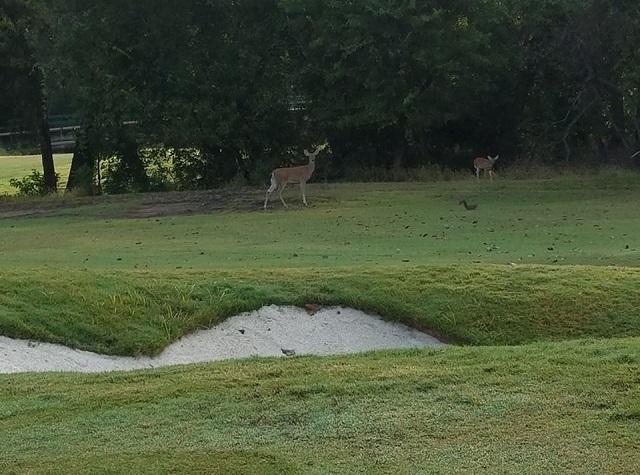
(281, 177)
(485, 164)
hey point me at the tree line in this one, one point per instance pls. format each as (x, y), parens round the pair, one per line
(203, 92)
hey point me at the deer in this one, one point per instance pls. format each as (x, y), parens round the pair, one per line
(281, 177)
(485, 164)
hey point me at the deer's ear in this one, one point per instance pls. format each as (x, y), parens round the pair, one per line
(306, 152)
(496, 157)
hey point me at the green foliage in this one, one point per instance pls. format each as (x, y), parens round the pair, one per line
(389, 84)
(209, 77)
(31, 185)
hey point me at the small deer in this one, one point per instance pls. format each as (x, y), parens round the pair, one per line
(485, 164)
(281, 177)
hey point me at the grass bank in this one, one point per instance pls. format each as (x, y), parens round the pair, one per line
(131, 313)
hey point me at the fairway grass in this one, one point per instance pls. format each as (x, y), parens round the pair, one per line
(537, 290)
(551, 222)
(569, 407)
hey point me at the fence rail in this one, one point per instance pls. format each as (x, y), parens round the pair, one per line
(61, 126)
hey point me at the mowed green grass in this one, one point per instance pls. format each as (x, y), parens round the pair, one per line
(542, 279)
(588, 221)
(19, 166)
(570, 407)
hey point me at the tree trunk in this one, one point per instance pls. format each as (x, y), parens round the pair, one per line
(80, 161)
(509, 142)
(132, 162)
(636, 124)
(44, 134)
(617, 117)
(48, 167)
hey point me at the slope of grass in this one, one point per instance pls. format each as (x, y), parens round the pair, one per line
(568, 407)
(141, 312)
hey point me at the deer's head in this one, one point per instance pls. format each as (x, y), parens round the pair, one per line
(312, 155)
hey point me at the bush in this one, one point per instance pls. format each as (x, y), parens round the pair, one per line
(31, 185)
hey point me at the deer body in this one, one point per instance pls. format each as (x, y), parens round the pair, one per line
(281, 177)
(485, 164)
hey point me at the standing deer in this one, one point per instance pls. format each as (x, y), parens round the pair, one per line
(485, 164)
(281, 177)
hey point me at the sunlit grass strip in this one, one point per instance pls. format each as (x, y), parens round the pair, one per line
(131, 313)
(19, 166)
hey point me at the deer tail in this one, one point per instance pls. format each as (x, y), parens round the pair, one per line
(274, 184)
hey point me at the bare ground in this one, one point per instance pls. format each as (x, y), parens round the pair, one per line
(145, 205)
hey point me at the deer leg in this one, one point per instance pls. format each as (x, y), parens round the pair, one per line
(491, 176)
(302, 190)
(274, 185)
(281, 189)
(478, 173)
(266, 198)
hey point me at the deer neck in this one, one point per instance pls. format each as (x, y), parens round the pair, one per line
(311, 166)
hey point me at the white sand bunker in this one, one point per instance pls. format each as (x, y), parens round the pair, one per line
(270, 331)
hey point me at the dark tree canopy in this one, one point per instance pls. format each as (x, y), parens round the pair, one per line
(206, 92)
(23, 98)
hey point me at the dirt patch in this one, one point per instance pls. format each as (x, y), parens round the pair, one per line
(145, 205)
(149, 205)
(188, 203)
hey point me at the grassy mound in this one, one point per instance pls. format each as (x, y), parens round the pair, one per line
(132, 313)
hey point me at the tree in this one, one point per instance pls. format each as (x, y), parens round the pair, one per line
(579, 59)
(22, 78)
(209, 76)
(393, 82)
